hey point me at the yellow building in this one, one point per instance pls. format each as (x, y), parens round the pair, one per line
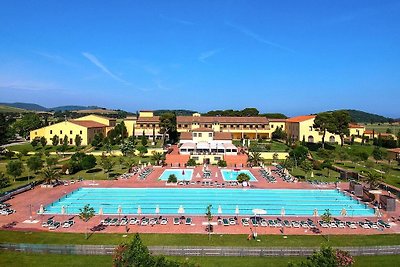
(302, 128)
(109, 122)
(239, 127)
(356, 130)
(146, 124)
(84, 128)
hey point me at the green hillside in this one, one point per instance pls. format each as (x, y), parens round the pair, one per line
(8, 109)
(361, 116)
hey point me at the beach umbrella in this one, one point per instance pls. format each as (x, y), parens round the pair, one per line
(140, 162)
(198, 175)
(315, 213)
(101, 211)
(181, 210)
(216, 174)
(219, 209)
(63, 210)
(119, 210)
(183, 172)
(283, 212)
(237, 210)
(139, 210)
(312, 175)
(41, 209)
(377, 212)
(343, 212)
(157, 209)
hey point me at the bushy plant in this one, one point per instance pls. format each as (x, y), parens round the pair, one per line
(222, 163)
(172, 178)
(191, 162)
(243, 177)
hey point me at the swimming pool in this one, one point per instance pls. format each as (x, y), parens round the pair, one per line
(195, 200)
(181, 174)
(231, 175)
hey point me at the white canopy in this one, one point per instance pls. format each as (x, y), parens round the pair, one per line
(188, 146)
(203, 145)
(259, 211)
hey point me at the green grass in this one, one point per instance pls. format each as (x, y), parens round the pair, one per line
(11, 258)
(381, 127)
(27, 147)
(320, 175)
(199, 239)
(8, 258)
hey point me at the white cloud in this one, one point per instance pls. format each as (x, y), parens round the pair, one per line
(258, 37)
(102, 67)
(207, 54)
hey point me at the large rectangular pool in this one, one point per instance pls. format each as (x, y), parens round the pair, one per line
(195, 200)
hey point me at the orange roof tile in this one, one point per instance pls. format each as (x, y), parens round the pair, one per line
(88, 124)
(301, 118)
(221, 119)
(203, 129)
(148, 119)
(186, 136)
(356, 126)
(222, 136)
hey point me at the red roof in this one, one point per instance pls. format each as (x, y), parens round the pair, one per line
(368, 132)
(356, 126)
(221, 119)
(148, 119)
(301, 118)
(186, 136)
(88, 124)
(222, 136)
(203, 129)
(395, 150)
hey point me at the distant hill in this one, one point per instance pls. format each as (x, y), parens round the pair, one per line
(178, 112)
(70, 108)
(8, 109)
(26, 106)
(361, 116)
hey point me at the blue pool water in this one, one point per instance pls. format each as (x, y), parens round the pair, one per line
(231, 175)
(195, 201)
(181, 174)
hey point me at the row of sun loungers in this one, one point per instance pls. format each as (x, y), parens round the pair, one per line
(126, 175)
(146, 172)
(5, 209)
(267, 176)
(51, 224)
(144, 221)
(280, 171)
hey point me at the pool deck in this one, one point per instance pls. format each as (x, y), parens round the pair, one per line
(26, 205)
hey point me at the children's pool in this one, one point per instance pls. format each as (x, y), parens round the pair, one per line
(181, 174)
(231, 175)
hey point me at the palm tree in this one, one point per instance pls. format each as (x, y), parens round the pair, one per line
(255, 158)
(373, 179)
(158, 157)
(50, 175)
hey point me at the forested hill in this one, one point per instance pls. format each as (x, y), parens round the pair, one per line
(361, 116)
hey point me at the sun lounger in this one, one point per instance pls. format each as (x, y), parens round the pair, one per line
(245, 222)
(188, 221)
(264, 223)
(144, 222)
(133, 221)
(153, 221)
(232, 221)
(164, 221)
(383, 224)
(177, 221)
(286, 223)
(295, 224)
(254, 222)
(225, 222)
(54, 226)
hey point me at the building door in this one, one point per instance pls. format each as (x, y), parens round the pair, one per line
(206, 161)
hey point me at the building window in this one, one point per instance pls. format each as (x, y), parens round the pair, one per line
(310, 128)
(210, 135)
(200, 134)
(194, 134)
(80, 132)
(272, 126)
(60, 131)
(70, 141)
(70, 132)
(51, 131)
(35, 133)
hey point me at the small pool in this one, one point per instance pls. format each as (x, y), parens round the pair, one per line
(194, 201)
(231, 175)
(181, 174)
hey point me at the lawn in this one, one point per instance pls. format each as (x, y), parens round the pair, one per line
(320, 175)
(382, 127)
(199, 239)
(8, 258)
(27, 147)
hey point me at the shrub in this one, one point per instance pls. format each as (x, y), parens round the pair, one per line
(243, 177)
(222, 163)
(88, 162)
(172, 178)
(317, 165)
(191, 162)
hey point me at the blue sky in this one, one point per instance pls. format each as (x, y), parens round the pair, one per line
(294, 57)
